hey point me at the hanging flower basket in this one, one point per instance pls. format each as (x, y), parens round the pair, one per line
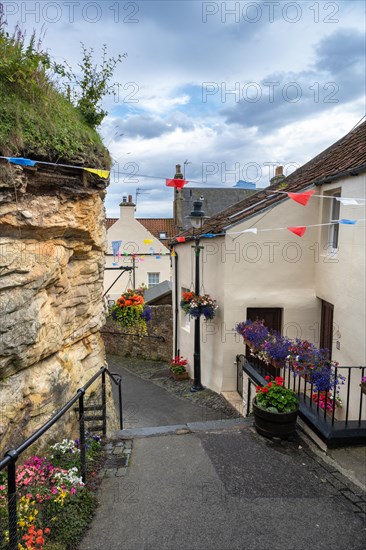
(131, 313)
(197, 305)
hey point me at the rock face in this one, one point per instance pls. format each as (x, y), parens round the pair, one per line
(52, 245)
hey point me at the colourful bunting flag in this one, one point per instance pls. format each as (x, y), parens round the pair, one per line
(298, 230)
(115, 247)
(101, 173)
(181, 239)
(347, 222)
(209, 235)
(251, 230)
(173, 254)
(158, 257)
(148, 241)
(301, 198)
(177, 183)
(115, 263)
(21, 161)
(347, 202)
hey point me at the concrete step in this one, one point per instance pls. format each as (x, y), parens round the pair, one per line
(183, 429)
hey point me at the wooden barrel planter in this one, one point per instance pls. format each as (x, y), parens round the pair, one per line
(180, 375)
(270, 424)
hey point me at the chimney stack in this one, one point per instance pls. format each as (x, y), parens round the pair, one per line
(127, 208)
(278, 177)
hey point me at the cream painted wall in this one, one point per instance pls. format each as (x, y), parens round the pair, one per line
(341, 280)
(132, 234)
(279, 269)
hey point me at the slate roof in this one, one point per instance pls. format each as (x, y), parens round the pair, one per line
(215, 200)
(154, 225)
(346, 157)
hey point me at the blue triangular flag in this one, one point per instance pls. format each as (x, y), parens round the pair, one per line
(115, 247)
(209, 235)
(348, 222)
(21, 161)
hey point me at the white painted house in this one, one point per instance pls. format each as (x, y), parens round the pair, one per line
(131, 244)
(311, 287)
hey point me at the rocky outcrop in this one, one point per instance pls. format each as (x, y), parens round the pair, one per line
(52, 245)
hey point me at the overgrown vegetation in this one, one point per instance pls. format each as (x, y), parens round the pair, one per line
(41, 115)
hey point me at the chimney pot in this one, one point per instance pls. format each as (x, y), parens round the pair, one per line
(279, 171)
(129, 198)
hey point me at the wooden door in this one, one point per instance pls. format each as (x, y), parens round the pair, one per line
(326, 326)
(272, 317)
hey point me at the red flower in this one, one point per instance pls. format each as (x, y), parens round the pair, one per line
(269, 385)
(279, 381)
(265, 389)
(268, 378)
(257, 389)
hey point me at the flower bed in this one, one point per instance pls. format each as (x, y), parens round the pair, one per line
(54, 505)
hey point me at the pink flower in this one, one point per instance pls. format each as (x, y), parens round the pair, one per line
(2, 487)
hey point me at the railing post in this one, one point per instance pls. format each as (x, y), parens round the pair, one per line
(104, 405)
(82, 436)
(12, 507)
(120, 404)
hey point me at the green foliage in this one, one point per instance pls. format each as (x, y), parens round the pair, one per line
(88, 89)
(274, 397)
(74, 519)
(36, 120)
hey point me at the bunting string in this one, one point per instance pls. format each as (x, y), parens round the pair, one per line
(104, 174)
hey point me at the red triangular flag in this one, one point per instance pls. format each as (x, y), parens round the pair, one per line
(177, 183)
(298, 230)
(181, 239)
(301, 198)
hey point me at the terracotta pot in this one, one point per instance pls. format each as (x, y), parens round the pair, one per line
(179, 376)
(272, 424)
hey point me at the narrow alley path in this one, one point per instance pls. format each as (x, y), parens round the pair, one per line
(216, 485)
(147, 404)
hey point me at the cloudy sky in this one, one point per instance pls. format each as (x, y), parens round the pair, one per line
(233, 88)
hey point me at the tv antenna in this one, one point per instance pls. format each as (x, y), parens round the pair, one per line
(142, 191)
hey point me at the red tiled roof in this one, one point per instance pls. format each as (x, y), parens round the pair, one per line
(344, 158)
(110, 222)
(154, 225)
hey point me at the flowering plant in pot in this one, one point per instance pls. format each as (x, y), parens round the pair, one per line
(131, 313)
(275, 409)
(178, 368)
(197, 305)
(363, 384)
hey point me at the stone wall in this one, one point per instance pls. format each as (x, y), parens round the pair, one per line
(52, 245)
(161, 324)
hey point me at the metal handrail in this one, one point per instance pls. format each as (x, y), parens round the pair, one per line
(12, 455)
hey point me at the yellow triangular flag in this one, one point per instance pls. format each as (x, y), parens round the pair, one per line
(101, 173)
(148, 241)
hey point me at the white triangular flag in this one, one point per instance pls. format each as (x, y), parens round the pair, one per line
(251, 230)
(347, 202)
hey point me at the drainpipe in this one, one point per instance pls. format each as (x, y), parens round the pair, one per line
(176, 304)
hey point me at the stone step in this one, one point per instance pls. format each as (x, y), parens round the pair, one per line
(90, 408)
(183, 429)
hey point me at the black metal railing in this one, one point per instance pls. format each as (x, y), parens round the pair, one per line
(11, 456)
(334, 426)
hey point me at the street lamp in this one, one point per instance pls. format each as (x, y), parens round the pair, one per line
(197, 219)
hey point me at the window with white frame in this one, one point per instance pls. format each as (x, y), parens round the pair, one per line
(153, 279)
(162, 235)
(334, 216)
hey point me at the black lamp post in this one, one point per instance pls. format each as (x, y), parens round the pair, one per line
(197, 218)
